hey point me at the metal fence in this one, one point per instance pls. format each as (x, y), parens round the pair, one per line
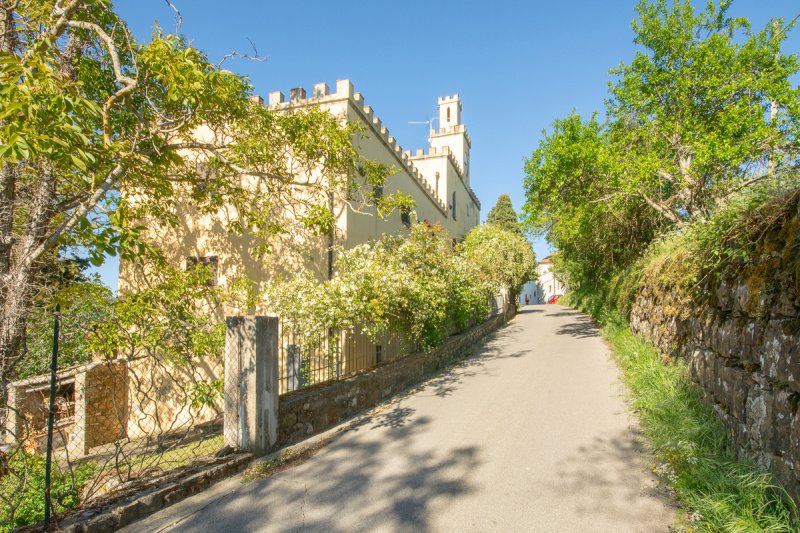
(104, 428)
(311, 360)
(305, 361)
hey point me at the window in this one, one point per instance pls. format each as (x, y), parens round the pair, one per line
(211, 262)
(453, 206)
(204, 175)
(448, 114)
(378, 353)
(437, 184)
(405, 217)
(377, 193)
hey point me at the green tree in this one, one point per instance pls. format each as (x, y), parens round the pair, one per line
(99, 132)
(84, 303)
(504, 260)
(704, 109)
(503, 215)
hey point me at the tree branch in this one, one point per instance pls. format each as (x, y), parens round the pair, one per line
(128, 84)
(73, 218)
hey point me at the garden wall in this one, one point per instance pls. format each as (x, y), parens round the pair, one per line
(741, 339)
(317, 408)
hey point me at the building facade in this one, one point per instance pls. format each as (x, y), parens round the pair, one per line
(544, 287)
(437, 178)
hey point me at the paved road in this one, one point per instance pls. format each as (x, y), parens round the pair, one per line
(530, 434)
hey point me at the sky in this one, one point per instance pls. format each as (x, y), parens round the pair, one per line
(517, 66)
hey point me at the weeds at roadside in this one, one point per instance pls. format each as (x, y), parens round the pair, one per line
(694, 453)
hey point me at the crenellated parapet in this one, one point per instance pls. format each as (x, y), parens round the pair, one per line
(451, 130)
(345, 91)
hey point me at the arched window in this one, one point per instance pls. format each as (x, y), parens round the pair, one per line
(448, 114)
(454, 205)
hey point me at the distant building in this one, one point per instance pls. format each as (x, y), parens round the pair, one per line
(543, 288)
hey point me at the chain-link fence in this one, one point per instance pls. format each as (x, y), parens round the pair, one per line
(115, 425)
(112, 425)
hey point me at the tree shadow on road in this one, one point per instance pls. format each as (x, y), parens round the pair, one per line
(395, 484)
(609, 479)
(581, 328)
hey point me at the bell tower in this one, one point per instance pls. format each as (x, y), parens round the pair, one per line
(449, 111)
(452, 134)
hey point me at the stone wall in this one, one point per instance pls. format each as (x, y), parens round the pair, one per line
(741, 339)
(101, 405)
(317, 408)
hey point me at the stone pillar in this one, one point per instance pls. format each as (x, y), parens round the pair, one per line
(251, 383)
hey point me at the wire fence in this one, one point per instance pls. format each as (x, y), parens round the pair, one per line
(104, 428)
(110, 426)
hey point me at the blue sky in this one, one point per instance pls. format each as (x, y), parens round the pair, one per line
(516, 65)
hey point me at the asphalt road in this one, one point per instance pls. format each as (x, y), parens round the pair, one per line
(532, 433)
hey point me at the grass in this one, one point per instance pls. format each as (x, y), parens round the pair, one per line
(692, 448)
(22, 487)
(181, 456)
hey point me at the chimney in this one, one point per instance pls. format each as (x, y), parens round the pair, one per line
(298, 93)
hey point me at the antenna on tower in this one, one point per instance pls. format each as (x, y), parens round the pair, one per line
(429, 122)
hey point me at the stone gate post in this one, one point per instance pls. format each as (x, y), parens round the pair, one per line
(251, 383)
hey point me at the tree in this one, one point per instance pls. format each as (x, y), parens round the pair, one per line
(99, 132)
(502, 259)
(503, 215)
(705, 109)
(416, 284)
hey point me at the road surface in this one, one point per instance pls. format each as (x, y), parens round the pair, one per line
(532, 433)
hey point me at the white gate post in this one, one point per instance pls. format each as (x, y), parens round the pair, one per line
(251, 383)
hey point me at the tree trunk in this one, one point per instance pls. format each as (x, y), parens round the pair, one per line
(18, 285)
(8, 40)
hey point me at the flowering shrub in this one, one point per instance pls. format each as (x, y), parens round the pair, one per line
(500, 258)
(420, 284)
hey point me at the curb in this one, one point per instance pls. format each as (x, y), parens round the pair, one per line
(128, 511)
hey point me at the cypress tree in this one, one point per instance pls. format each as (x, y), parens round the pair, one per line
(503, 215)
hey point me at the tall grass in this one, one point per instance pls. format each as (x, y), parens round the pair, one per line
(693, 451)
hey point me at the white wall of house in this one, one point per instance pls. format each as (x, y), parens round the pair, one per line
(542, 289)
(548, 284)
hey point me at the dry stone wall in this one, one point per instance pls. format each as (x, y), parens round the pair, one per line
(742, 343)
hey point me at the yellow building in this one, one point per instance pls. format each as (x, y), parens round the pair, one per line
(437, 178)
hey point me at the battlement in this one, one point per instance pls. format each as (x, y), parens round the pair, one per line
(321, 93)
(446, 99)
(433, 151)
(452, 130)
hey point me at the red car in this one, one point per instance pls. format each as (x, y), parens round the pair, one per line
(554, 299)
